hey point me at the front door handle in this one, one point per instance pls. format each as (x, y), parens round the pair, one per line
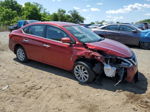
(45, 45)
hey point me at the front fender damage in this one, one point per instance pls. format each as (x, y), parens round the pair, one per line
(88, 54)
(124, 69)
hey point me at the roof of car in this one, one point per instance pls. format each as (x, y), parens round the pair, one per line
(118, 24)
(131, 25)
(58, 23)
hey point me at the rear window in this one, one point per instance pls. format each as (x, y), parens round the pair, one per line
(37, 30)
(26, 29)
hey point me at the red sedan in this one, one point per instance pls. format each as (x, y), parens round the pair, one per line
(74, 48)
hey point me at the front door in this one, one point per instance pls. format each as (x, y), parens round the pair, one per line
(57, 53)
(111, 32)
(127, 36)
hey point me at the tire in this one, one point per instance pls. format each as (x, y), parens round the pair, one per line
(21, 55)
(83, 72)
(144, 45)
(136, 77)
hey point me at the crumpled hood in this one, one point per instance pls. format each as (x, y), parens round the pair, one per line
(111, 47)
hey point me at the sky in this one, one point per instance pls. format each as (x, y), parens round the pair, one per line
(98, 10)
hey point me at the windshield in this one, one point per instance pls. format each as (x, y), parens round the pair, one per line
(83, 34)
(136, 27)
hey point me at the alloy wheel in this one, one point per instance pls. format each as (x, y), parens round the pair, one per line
(21, 54)
(81, 73)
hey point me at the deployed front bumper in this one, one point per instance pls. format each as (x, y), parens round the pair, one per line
(131, 72)
(125, 68)
(131, 68)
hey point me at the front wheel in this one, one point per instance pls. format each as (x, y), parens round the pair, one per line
(21, 55)
(136, 77)
(83, 72)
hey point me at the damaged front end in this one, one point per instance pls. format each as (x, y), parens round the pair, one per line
(121, 68)
(113, 66)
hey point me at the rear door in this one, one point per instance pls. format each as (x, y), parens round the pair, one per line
(57, 53)
(33, 41)
(128, 36)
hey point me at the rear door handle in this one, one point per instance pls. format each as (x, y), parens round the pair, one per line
(45, 45)
(25, 40)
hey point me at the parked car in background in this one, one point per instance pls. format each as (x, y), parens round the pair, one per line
(95, 26)
(21, 23)
(74, 48)
(126, 34)
(86, 25)
(143, 26)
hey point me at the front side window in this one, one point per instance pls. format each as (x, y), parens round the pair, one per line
(37, 30)
(55, 33)
(126, 28)
(83, 34)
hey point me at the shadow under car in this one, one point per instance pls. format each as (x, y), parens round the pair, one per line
(105, 83)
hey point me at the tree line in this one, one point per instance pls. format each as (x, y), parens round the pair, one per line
(144, 21)
(11, 11)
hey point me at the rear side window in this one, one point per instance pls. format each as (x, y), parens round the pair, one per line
(26, 29)
(37, 30)
(55, 33)
(126, 28)
(111, 27)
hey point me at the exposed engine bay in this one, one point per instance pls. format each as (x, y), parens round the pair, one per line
(117, 66)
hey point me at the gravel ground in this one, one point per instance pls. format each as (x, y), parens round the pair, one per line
(36, 87)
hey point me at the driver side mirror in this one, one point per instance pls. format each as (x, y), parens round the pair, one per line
(66, 40)
(134, 31)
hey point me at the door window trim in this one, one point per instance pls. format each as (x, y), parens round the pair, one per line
(33, 34)
(45, 33)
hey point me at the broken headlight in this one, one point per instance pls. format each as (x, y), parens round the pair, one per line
(128, 62)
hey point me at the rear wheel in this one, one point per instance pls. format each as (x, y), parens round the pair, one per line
(21, 54)
(83, 72)
(145, 45)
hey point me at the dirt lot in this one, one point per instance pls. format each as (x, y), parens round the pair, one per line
(36, 87)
